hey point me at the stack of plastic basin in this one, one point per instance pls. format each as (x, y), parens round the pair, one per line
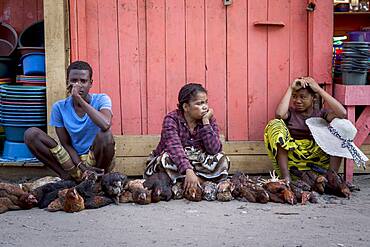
(29, 80)
(355, 62)
(21, 107)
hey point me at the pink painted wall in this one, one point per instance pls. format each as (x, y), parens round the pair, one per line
(21, 13)
(143, 51)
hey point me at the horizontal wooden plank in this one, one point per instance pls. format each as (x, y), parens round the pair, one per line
(135, 145)
(141, 146)
(17, 173)
(244, 147)
(352, 95)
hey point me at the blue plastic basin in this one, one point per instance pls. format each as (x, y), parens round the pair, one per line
(16, 151)
(33, 63)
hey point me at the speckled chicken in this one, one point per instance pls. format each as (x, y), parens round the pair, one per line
(160, 185)
(209, 191)
(178, 191)
(224, 190)
(112, 185)
(17, 196)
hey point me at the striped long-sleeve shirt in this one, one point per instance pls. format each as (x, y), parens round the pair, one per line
(176, 136)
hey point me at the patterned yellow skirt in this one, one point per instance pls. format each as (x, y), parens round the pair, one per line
(301, 153)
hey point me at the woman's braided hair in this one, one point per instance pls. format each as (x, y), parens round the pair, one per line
(188, 92)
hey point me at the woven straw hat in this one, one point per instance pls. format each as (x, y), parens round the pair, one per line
(336, 138)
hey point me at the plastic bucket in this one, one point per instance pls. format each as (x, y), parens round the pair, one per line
(33, 35)
(7, 67)
(25, 50)
(359, 36)
(33, 63)
(6, 48)
(15, 132)
(16, 150)
(8, 33)
(353, 77)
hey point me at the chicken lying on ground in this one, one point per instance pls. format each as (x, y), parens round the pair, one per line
(193, 194)
(136, 192)
(112, 185)
(73, 201)
(316, 182)
(160, 185)
(13, 197)
(178, 191)
(80, 197)
(49, 192)
(248, 189)
(209, 191)
(336, 185)
(279, 190)
(302, 192)
(224, 190)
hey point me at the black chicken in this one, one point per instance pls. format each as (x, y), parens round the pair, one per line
(112, 185)
(160, 185)
(49, 192)
(86, 190)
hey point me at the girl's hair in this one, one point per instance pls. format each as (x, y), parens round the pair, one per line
(79, 65)
(309, 90)
(188, 92)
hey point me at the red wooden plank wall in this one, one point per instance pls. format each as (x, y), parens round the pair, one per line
(21, 13)
(143, 51)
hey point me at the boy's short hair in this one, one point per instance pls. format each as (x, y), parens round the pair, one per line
(79, 65)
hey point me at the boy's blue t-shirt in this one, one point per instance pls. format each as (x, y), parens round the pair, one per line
(82, 130)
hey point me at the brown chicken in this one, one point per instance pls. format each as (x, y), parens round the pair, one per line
(193, 194)
(336, 185)
(238, 181)
(279, 190)
(73, 201)
(224, 191)
(18, 197)
(6, 204)
(289, 196)
(316, 182)
(140, 194)
(126, 197)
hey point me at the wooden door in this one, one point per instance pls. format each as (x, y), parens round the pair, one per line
(143, 51)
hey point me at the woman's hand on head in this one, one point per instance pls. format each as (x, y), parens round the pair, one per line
(313, 84)
(191, 180)
(299, 83)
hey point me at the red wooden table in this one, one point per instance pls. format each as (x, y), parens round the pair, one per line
(351, 96)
